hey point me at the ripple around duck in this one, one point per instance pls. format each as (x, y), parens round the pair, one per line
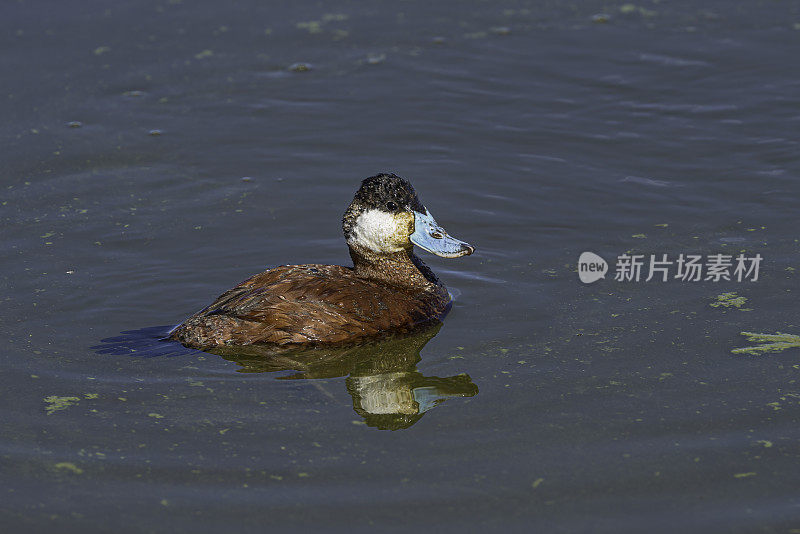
(469, 275)
(670, 61)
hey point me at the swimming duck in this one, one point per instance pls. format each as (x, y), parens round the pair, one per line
(389, 290)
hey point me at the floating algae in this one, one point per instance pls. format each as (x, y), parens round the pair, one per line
(58, 403)
(729, 300)
(313, 26)
(69, 467)
(769, 343)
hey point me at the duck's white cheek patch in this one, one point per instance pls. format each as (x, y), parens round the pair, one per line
(377, 231)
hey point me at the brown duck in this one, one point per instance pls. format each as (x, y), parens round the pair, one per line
(389, 290)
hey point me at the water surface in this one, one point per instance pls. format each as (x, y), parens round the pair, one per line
(157, 153)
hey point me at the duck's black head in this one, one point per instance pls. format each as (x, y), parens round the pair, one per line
(388, 192)
(386, 217)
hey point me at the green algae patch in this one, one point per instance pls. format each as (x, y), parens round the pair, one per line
(312, 26)
(68, 466)
(627, 9)
(769, 343)
(316, 26)
(728, 300)
(55, 403)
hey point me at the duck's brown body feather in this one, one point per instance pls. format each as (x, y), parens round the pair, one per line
(312, 304)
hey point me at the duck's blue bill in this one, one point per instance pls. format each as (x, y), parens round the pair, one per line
(432, 237)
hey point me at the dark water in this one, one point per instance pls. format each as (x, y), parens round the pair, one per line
(534, 130)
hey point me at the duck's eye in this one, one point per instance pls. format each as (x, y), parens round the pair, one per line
(391, 206)
(436, 235)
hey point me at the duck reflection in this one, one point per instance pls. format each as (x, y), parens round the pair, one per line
(382, 377)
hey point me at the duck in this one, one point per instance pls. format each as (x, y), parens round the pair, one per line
(388, 291)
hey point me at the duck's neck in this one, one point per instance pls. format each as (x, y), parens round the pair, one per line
(402, 269)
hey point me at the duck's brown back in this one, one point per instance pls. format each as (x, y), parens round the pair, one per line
(311, 305)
